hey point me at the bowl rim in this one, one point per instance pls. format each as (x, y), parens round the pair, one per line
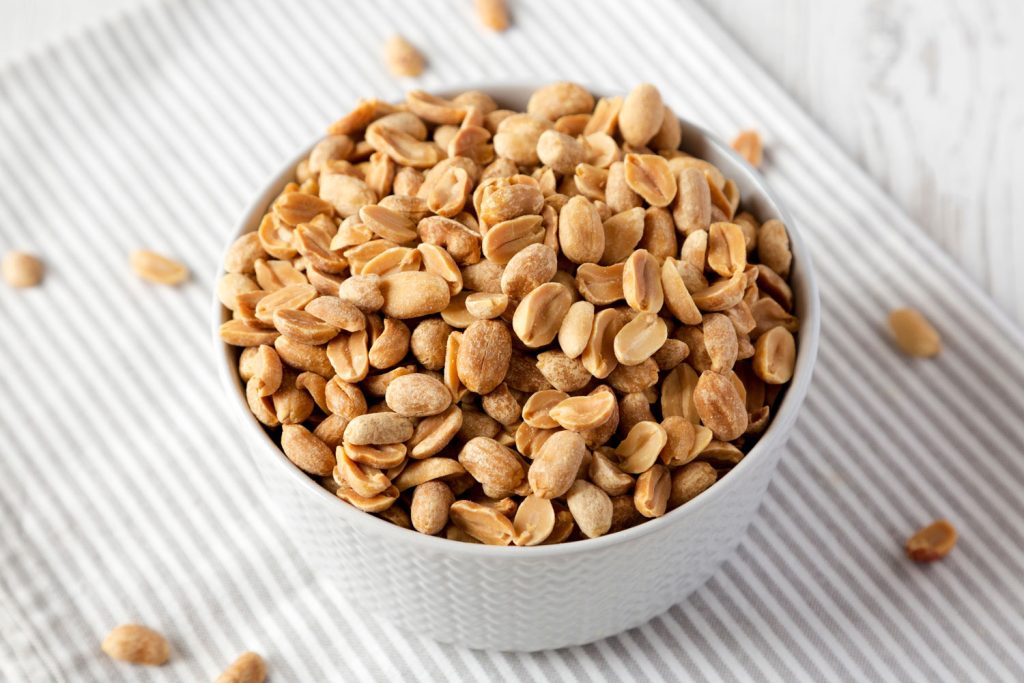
(774, 436)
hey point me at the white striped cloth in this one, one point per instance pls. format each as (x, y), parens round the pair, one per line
(127, 495)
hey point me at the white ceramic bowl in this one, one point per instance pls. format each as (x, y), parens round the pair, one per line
(511, 598)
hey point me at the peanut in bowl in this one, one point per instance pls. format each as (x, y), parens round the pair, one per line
(543, 343)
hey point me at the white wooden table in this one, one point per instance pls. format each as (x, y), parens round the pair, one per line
(926, 94)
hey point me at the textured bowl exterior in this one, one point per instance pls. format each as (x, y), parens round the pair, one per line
(546, 596)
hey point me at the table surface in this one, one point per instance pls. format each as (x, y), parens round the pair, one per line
(919, 92)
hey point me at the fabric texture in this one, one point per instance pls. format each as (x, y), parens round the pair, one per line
(127, 493)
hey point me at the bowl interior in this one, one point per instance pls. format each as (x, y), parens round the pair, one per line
(756, 198)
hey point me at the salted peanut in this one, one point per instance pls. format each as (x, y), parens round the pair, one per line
(148, 265)
(634, 408)
(304, 356)
(622, 232)
(484, 276)
(242, 333)
(273, 275)
(348, 356)
(580, 413)
(403, 148)
(383, 457)
(640, 338)
(483, 355)
(556, 100)
(517, 137)
(695, 249)
(537, 409)
(345, 193)
(325, 283)
(294, 208)
(721, 453)
(403, 121)
(767, 313)
(692, 208)
(607, 475)
(402, 58)
(671, 354)
(539, 315)
(602, 151)
(136, 644)
(590, 182)
(248, 668)
(641, 447)
(556, 463)
(502, 405)
(722, 295)
(659, 234)
(682, 436)
(268, 370)
(534, 521)
(528, 440)
(303, 327)
(914, 335)
(429, 507)
(449, 193)
(417, 395)
(641, 115)
(572, 124)
(641, 282)
(434, 433)
(374, 504)
(669, 135)
(428, 343)
(365, 480)
(374, 429)
(677, 298)
(412, 294)
(527, 269)
(377, 385)
(434, 109)
(331, 148)
(262, 407)
(471, 141)
(293, 297)
(574, 331)
(340, 314)
(773, 248)
(486, 305)
(491, 464)
(307, 452)
(748, 145)
(580, 232)
(599, 355)
(605, 117)
(275, 237)
(391, 345)
(476, 423)
(618, 194)
(243, 253)
(388, 224)
(438, 261)
(559, 151)
(652, 491)
(408, 181)
(482, 523)
(720, 341)
(506, 239)
(771, 283)
(689, 481)
(726, 249)
(450, 375)
(932, 542)
(590, 507)
(493, 14)
(775, 356)
(650, 176)
(720, 406)
(344, 398)
(504, 203)
(629, 379)
(364, 111)
(600, 285)
(21, 269)
(313, 244)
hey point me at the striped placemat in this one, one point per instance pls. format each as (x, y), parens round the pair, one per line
(126, 493)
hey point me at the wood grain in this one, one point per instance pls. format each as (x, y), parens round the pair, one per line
(928, 96)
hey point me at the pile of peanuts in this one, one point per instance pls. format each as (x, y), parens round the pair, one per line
(512, 327)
